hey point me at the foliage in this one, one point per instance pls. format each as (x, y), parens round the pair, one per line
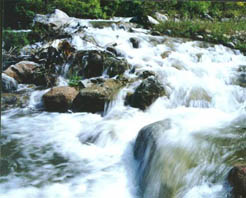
(212, 31)
(75, 81)
(15, 39)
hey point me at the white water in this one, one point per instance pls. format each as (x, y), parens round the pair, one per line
(97, 151)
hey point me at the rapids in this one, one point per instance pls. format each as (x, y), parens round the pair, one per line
(72, 155)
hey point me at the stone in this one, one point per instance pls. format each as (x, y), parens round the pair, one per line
(135, 42)
(146, 93)
(9, 84)
(22, 72)
(237, 179)
(14, 100)
(94, 97)
(151, 173)
(59, 99)
(93, 63)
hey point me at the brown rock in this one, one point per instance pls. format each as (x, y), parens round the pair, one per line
(22, 72)
(93, 98)
(59, 99)
(237, 179)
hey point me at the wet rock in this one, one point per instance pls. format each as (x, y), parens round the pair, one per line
(146, 21)
(94, 97)
(135, 42)
(155, 33)
(146, 74)
(9, 84)
(146, 93)
(93, 63)
(14, 100)
(65, 49)
(237, 179)
(52, 25)
(22, 72)
(146, 152)
(165, 54)
(241, 76)
(115, 66)
(59, 99)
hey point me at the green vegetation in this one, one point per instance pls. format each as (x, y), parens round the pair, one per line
(75, 81)
(202, 18)
(212, 31)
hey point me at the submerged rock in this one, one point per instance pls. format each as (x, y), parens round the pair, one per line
(9, 84)
(14, 100)
(237, 179)
(241, 76)
(59, 99)
(22, 72)
(146, 93)
(94, 97)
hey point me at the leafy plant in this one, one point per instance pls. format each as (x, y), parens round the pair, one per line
(75, 81)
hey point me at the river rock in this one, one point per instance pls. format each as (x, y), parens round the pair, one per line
(14, 100)
(9, 84)
(93, 63)
(52, 26)
(135, 42)
(146, 93)
(94, 97)
(237, 179)
(22, 72)
(241, 76)
(59, 99)
(146, 21)
(147, 155)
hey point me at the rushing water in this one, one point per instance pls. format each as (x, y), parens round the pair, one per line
(71, 155)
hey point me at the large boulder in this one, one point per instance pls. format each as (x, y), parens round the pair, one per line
(59, 99)
(94, 97)
(51, 26)
(94, 63)
(237, 179)
(146, 93)
(150, 164)
(22, 72)
(9, 84)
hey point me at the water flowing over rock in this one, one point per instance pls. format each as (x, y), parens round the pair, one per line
(9, 84)
(146, 93)
(92, 141)
(59, 99)
(146, 153)
(237, 179)
(94, 97)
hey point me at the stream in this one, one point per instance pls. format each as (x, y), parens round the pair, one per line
(90, 155)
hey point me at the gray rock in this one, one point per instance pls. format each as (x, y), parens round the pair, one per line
(146, 152)
(9, 84)
(146, 93)
(135, 42)
(93, 63)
